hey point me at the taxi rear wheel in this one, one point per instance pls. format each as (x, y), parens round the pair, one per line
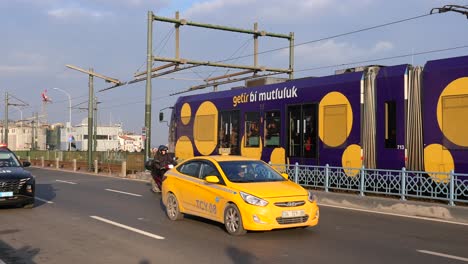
(172, 208)
(233, 221)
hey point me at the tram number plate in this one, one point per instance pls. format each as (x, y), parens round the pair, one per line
(294, 213)
(6, 194)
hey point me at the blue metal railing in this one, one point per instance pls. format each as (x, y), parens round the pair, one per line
(450, 187)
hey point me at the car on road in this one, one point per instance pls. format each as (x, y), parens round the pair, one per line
(242, 193)
(17, 185)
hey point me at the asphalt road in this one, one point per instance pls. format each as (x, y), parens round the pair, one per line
(87, 220)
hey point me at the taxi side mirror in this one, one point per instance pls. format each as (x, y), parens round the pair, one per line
(161, 116)
(285, 175)
(212, 179)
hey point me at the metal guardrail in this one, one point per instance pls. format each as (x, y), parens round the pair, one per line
(451, 187)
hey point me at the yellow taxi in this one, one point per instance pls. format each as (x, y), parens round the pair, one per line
(244, 194)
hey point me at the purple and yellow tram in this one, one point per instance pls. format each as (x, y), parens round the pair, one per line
(384, 117)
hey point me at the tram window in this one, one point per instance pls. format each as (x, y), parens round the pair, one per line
(252, 132)
(272, 129)
(204, 128)
(223, 130)
(228, 131)
(335, 125)
(390, 124)
(454, 125)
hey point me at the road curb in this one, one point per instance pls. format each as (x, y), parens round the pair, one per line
(393, 205)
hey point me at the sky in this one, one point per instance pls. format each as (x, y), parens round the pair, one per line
(39, 37)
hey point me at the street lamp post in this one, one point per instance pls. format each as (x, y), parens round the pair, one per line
(21, 113)
(21, 126)
(69, 117)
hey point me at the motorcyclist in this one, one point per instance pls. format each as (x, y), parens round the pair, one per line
(158, 167)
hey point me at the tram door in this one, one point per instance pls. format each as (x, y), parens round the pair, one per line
(303, 134)
(228, 131)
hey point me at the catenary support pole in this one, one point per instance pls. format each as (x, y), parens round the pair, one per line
(149, 64)
(5, 124)
(90, 120)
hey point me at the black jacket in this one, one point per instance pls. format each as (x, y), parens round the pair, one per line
(160, 161)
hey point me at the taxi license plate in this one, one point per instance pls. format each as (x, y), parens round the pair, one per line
(294, 213)
(6, 194)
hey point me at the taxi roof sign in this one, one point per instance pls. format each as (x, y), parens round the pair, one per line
(224, 151)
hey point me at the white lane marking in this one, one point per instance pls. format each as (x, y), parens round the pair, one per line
(127, 227)
(133, 194)
(65, 182)
(443, 255)
(400, 215)
(40, 199)
(1, 262)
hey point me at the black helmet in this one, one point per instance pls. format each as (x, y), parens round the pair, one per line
(162, 147)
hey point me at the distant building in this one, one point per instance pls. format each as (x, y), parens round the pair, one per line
(25, 136)
(131, 143)
(107, 137)
(53, 136)
(56, 137)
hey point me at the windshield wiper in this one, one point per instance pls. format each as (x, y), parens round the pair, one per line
(243, 180)
(235, 180)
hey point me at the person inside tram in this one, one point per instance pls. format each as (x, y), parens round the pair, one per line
(272, 134)
(233, 140)
(272, 130)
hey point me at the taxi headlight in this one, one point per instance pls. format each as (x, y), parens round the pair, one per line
(253, 200)
(312, 197)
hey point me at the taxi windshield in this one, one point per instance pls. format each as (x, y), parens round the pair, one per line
(8, 160)
(249, 171)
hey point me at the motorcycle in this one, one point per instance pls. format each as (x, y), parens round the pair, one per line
(163, 171)
(158, 174)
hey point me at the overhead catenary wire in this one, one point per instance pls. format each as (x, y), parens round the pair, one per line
(308, 42)
(340, 35)
(295, 45)
(12, 96)
(333, 36)
(384, 58)
(134, 102)
(326, 67)
(243, 46)
(165, 39)
(359, 62)
(165, 42)
(330, 37)
(62, 101)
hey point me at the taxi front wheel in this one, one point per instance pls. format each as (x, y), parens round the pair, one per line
(233, 220)
(172, 208)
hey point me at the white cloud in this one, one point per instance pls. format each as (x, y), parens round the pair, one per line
(34, 63)
(275, 11)
(134, 3)
(332, 52)
(382, 46)
(8, 70)
(214, 5)
(35, 3)
(126, 3)
(75, 12)
(30, 57)
(94, 8)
